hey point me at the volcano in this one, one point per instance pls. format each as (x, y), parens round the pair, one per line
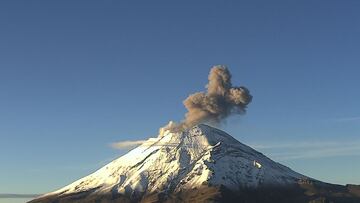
(201, 164)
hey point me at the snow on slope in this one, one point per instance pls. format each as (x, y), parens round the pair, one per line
(174, 161)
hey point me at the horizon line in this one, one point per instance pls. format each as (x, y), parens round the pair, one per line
(14, 195)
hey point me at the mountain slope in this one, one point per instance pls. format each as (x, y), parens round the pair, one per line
(202, 164)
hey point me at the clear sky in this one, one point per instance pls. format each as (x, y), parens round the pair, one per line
(76, 76)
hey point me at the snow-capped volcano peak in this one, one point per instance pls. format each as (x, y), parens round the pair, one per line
(175, 161)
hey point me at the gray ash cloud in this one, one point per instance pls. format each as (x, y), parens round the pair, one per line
(219, 101)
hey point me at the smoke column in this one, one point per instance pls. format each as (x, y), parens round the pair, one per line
(219, 101)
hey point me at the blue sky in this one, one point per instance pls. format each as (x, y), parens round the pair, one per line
(76, 76)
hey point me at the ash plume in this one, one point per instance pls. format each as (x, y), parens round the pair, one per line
(219, 101)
